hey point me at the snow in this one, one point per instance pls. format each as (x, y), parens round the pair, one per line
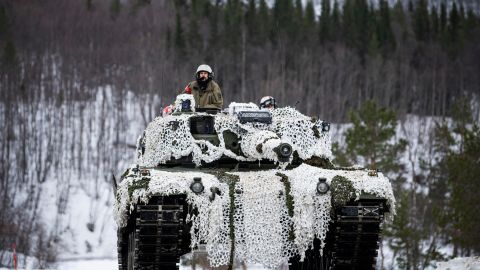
(466, 263)
(469, 263)
(93, 264)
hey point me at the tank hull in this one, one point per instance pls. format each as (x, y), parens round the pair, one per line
(159, 226)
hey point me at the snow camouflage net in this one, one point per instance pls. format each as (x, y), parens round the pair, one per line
(169, 138)
(262, 224)
(184, 97)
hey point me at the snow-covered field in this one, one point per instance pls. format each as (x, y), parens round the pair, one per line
(471, 263)
(94, 264)
(108, 264)
(112, 265)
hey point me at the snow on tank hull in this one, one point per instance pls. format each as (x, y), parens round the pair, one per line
(233, 188)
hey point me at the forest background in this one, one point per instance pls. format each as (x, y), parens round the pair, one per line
(74, 74)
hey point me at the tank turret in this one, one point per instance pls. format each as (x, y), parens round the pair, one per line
(250, 184)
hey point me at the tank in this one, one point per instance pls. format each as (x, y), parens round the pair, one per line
(247, 184)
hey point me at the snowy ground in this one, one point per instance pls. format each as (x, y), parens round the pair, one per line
(110, 264)
(472, 263)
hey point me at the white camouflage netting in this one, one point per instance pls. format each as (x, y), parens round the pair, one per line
(261, 221)
(262, 233)
(208, 224)
(298, 130)
(181, 98)
(170, 137)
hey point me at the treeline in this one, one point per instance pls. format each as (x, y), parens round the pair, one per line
(367, 27)
(433, 165)
(407, 57)
(413, 58)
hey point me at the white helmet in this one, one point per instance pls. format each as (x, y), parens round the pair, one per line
(204, 67)
(268, 102)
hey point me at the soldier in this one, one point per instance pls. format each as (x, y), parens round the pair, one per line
(204, 89)
(268, 102)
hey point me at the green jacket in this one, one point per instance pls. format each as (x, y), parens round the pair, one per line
(211, 97)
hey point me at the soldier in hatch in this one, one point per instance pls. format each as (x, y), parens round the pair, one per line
(204, 89)
(268, 102)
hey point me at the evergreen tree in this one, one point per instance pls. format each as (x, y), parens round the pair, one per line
(264, 22)
(435, 23)
(385, 35)
(453, 28)
(399, 233)
(443, 17)
(410, 7)
(458, 148)
(462, 13)
(414, 244)
(251, 21)
(462, 20)
(115, 7)
(194, 6)
(399, 17)
(356, 25)
(282, 17)
(369, 141)
(179, 35)
(335, 22)
(232, 22)
(443, 21)
(298, 23)
(213, 25)
(325, 24)
(309, 22)
(3, 23)
(347, 22)
(470, 23)
(421, 21)
(89, 4)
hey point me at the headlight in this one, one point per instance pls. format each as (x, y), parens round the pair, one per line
(322, 186)
(197, 186)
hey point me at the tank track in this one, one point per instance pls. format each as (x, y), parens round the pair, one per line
(154, 237)
(352, 241)
(356, 235)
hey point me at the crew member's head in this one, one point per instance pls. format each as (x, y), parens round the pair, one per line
(204, 73)
(268, 102)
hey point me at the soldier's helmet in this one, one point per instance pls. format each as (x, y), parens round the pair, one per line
(268, 102)
(206, 68)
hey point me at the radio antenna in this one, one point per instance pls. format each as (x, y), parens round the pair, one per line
(296, 103)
